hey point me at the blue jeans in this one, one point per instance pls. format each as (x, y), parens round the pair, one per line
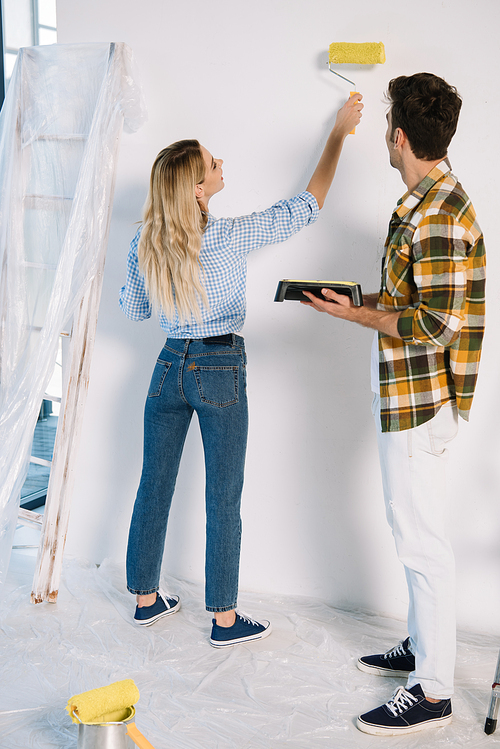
(208, 376)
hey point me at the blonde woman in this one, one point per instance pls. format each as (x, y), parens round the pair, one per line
(192, 268)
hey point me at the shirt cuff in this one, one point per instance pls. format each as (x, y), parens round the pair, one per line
(405, 326)
(309, 198)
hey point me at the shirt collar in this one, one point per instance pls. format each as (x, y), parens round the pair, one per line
(410, 200)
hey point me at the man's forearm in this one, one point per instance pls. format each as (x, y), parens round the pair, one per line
(370, 300)
(341, 306)
(384, 322)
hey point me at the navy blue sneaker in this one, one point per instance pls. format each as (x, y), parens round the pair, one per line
(406, 712)
(163, 606)
(399, 661)
(243, 630)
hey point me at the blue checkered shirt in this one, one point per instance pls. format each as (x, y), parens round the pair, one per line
(225, 246)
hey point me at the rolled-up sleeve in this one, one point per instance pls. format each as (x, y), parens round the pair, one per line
(440, 247)
(134, 300)
(274, 225)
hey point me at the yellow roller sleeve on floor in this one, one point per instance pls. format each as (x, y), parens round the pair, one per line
(105, 704)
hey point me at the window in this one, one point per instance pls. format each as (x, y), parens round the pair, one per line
(26, 23)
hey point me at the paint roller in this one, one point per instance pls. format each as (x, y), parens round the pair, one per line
(109, 705)
(367, 53)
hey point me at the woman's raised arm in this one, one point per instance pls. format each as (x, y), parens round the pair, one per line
(347, 119)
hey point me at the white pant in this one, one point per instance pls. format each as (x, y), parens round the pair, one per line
(413, 464)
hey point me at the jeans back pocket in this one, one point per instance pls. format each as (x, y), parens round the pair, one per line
(158, 378)
(217, 386)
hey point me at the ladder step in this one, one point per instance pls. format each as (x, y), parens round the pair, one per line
(33, 196)
(40, 266)
(53, 398)
(29, 518)
(74, 136)
(37, 329)
(40, 461)
(57, 203)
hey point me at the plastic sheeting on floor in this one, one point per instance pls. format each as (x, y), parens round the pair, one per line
(298, 688)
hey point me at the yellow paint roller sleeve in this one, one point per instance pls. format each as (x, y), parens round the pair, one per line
(102, 701)
(368, 53)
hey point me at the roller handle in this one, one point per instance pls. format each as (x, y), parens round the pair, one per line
(351, 93)
(137, 737)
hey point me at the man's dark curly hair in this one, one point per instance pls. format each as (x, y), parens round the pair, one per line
(426, 108)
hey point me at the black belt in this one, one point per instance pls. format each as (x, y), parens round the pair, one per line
(226, 338)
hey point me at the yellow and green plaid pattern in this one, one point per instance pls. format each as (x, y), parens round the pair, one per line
(434, 272)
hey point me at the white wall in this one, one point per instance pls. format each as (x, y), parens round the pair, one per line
(250, 81)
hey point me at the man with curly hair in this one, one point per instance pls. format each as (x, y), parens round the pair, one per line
(429, 318)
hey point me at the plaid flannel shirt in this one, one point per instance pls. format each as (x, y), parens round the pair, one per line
(223, 257)
(434, 271)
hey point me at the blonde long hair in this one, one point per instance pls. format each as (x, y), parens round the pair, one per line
(173, 225)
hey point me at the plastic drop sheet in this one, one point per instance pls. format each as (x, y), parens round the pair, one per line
(298, 688)
(59, 134)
